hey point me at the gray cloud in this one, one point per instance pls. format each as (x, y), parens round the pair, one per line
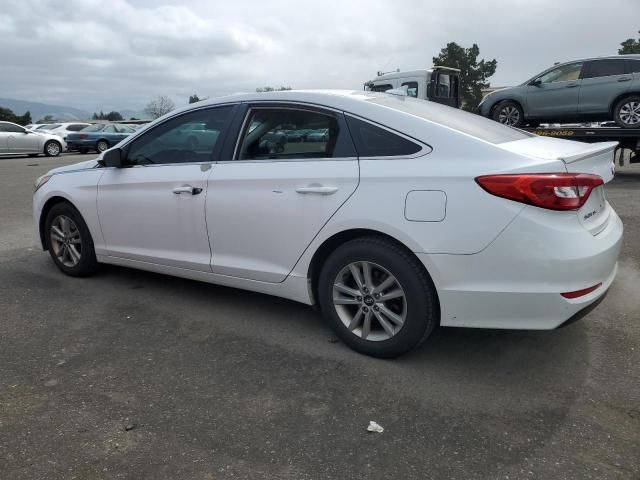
(96, 55)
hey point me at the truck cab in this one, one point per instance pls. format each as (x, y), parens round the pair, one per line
(437, 84)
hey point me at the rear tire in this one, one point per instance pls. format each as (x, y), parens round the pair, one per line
(508, 113)
(627, 112)
(69, 241)
(373, 319)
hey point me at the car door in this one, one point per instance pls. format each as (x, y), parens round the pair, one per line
(602, 82)
(270, 198)
(554, 94)
(154, 210)
(21, 140)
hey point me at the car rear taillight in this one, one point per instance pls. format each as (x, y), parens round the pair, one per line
(555, 191)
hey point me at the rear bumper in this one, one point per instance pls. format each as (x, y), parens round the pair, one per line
(516, 281)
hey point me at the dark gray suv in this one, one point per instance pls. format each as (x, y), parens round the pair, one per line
(596, 89)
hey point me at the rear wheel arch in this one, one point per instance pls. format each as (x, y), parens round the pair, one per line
(619, 98)
(327, 247)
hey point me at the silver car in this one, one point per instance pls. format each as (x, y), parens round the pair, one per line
(596, 89)
(17, 140)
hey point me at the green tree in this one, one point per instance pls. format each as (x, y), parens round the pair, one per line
(629, 46)
(113, 116)
(473, 73)
(46, 119)
(7, 115)
(194, 98)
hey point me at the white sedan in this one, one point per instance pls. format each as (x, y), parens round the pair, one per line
(18, 140)
(410, 215)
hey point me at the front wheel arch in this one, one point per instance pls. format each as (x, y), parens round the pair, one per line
(49, 204)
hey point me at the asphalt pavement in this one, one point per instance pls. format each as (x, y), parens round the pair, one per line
(135, 375)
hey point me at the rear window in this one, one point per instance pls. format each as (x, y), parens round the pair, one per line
(464, 122)
(94, 128)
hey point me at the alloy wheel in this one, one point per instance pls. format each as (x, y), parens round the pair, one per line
(369, 301)
(630, 113)
(66, 241)
(102, 146)
(509, 115)
(53, 149)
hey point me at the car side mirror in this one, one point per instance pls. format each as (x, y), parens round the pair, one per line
(113, 158)
(537, 82)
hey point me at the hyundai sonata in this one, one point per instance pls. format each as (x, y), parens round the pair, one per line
(406, 216)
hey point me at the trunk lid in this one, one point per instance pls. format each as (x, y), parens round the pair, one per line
(578, 157)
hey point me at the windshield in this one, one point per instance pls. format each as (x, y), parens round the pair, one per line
(465, 122)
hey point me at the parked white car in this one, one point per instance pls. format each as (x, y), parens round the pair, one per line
(410, 215)
(17, 140)
(62, 129)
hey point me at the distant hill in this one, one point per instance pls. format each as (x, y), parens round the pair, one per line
(40, 110)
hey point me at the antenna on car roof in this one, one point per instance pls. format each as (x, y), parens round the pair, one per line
(380, 72)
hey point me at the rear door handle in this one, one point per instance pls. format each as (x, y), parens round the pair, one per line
(187, 189)
(624, 79)
(319, 189)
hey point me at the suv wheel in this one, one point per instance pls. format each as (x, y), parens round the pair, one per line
(69, 241)
(509, 113)
(627, 112)
(377, 297)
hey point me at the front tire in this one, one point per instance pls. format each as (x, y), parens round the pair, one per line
(102, 145)
(69, 241)
(52, 148)
(377, 297)
(627, 112)
(508, 113)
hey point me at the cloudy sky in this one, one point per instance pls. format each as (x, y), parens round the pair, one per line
(118, 54)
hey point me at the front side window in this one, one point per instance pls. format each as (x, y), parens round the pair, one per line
(287, 134)
(565, 73)
(412, 89)
(373, 141)
(604, 68)
(9, 127)
(444, 86)
(175, 142)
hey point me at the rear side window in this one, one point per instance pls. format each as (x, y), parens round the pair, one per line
(288, 134)
(604, 68)
(98, 127)
(373, 141)
(634, 66)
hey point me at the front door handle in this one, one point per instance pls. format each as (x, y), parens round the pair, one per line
(572, 85)
(319, 189)
(187, 189)
(624, 79)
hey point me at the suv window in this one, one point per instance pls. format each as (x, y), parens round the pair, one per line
(412, 88)
(288, 133)
(170, 142)
(634, 66)
(381, 88)
(604, 68)
(565, 73)
(372, 141)
(9, 127)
